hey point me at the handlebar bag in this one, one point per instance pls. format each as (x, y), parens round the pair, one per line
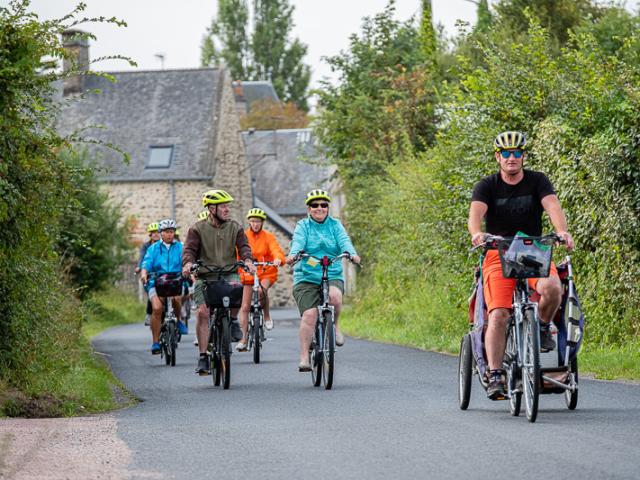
(169, 285)
(216, 290)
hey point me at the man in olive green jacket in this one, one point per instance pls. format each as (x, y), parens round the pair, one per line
(214, 241)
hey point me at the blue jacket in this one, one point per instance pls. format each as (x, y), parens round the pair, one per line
(160, 259)
(319, 239)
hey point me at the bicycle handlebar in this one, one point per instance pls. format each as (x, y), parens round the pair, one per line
(216, 269)
(300, 255)
(491, 241)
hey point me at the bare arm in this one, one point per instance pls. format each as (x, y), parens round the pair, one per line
(477, 211)
(552, 206)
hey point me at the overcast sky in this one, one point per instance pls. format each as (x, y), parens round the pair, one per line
(176, 27)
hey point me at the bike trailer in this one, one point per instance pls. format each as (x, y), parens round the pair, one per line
(169, 285)
(217, 290)
(478, 317)
(570, 319)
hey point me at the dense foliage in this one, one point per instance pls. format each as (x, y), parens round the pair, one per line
(575, 93)
(47, 204)
(263, 52)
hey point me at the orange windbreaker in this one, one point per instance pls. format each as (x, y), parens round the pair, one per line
(264, 248)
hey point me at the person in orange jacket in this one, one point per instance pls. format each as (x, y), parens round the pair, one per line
(264, 248)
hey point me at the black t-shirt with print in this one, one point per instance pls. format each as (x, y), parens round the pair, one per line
(513, 208)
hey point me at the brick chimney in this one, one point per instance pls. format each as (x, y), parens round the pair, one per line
(78, 47)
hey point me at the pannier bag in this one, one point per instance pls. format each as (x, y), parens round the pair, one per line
(216, 290)
(169, 285)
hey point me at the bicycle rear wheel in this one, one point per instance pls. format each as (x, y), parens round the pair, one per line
(514, 385)
(465, 365)
(531, 365)
(328, 351)
(315, 356)
(257, 344)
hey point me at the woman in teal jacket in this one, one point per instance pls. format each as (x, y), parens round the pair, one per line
(318, 235)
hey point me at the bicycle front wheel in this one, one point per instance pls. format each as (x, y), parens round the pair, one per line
(531, 365)
(226, 352)
(328, 351)
(315, 355)
(173, 343)
(257, 344)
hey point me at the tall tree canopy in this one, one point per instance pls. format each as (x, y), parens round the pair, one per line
(265, 53)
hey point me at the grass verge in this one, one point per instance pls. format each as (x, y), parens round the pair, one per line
(87, 384)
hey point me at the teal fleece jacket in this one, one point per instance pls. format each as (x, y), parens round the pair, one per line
(319, 239)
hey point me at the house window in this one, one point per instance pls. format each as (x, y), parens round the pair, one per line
(160, 157)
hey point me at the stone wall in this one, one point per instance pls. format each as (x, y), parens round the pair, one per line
(231, 168)
(147, 202)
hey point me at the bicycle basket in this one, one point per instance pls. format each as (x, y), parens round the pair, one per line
(525, 257)
(169, 285)
(216, 290)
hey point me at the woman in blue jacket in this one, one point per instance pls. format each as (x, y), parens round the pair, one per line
(318, 235)
(162, 257)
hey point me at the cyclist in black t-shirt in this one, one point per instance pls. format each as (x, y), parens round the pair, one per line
(513, 201)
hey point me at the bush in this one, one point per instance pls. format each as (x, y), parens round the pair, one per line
(579, 107)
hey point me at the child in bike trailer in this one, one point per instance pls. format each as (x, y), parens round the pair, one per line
(264, 248)
(319, 234)
(511, 201)
(162, 257)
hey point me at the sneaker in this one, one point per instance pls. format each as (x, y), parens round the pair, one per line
(496, 390)
(304, 367)
(268, 324)
(182, 328)
(195, 341)
(155, 349)
(339, 338)
(236, 331)
(147, 320)
(241, 347)
(546, 339)
(204, 366)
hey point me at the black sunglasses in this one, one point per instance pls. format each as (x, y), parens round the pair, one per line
(316, 205)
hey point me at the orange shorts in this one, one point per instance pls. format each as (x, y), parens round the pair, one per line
(498, 291)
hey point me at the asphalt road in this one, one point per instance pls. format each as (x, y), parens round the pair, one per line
(392, 413)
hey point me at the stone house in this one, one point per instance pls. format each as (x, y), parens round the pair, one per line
(182, 132)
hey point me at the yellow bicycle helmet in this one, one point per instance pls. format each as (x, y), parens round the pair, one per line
(510, 141)
(203, 215)
(317, 195)
(152, 227)
(257, 213)
(216, 197)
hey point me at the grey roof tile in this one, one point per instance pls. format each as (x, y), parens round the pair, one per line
(150, 108)
(286, 164)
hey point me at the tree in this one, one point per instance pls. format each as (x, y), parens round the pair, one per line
(428, 41)
(266, 53)
(556, 16)
(230, 28)
(272, 115)
(93, 241)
